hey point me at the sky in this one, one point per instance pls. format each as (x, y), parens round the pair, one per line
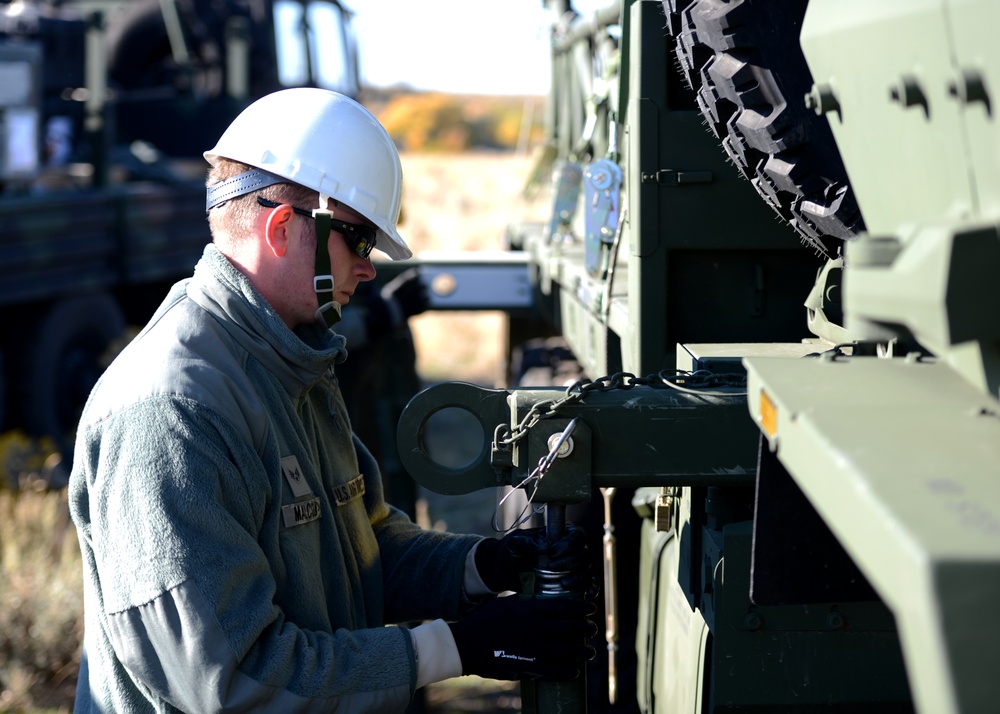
(457, 46)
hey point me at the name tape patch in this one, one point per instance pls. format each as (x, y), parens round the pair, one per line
(347, 492)
(295, 514)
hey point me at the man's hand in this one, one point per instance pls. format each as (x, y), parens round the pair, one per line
(500, 562)
(515, 638)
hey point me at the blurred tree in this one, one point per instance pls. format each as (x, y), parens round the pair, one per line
(435, 122)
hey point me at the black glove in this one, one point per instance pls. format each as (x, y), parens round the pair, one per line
(409, 292)
(515, 638)
(500, 562)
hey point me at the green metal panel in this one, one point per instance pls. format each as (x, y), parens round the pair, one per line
(835, 656)
(705, 646)
(973, 87)
(938, 284)
(916, 124)
(672, 637)
(898, 130)
(695, 240)
(656, 437)
(901, 458)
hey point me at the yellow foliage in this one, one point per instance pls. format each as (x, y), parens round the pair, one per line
(436, 122)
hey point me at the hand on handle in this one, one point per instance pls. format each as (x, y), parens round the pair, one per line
(500, 562)
(515, 638)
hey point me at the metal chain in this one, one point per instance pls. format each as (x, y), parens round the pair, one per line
(576, 392)
(694, 383)
(533, 481)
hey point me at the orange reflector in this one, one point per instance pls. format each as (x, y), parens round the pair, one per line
(768, 414)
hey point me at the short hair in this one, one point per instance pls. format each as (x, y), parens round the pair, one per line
(235, 218)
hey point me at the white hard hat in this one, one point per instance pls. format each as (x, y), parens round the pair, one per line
(327, 142)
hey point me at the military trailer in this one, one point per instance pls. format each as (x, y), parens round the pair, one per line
(105, 108)
(772, 237)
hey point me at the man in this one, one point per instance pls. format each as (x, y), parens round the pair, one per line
(238, 553)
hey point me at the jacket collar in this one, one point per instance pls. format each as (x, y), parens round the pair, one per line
(298, 359)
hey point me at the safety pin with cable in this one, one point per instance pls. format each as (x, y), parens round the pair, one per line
(533, 480)
(545, 463)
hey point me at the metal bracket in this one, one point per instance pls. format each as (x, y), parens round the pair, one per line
(642, 436)
(488, 406)
(602, 184)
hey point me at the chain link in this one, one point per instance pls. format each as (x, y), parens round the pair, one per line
(576, 392)
(505, 437)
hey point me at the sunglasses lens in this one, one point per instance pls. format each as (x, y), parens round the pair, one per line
(364, 243)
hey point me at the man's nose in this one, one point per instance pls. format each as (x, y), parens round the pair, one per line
(366, 269)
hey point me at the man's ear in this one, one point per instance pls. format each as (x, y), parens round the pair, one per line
(277, 230)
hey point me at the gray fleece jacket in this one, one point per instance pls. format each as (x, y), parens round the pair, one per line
(238, 553)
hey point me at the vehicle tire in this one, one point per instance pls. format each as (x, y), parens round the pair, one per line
(743, 60)
(64, 360)
(140, 56)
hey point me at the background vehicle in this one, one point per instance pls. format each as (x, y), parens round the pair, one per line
(105, 107)
(802, 412)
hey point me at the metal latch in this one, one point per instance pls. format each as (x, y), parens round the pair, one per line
(664, 511)
(669, 177)
(602, 184)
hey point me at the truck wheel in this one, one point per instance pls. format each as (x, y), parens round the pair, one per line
(744, 61)
(140, 56)
(63, 364)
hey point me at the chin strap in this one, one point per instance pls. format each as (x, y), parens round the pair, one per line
(328, 312)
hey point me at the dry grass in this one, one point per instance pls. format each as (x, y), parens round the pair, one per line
(41, 598)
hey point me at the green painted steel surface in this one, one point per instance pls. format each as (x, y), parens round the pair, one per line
(627, 437)
(681, 265)
(856, 570)
(902, 459)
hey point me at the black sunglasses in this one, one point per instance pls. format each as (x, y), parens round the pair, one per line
(359, 238)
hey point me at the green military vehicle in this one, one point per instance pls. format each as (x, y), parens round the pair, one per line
(772, 236)
(105, 108)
